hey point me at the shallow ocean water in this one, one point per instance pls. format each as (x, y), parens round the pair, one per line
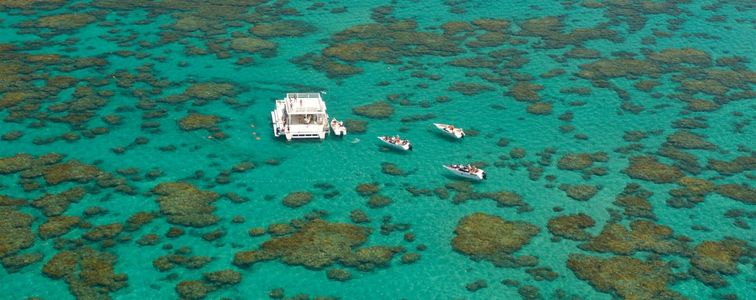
(145, 58)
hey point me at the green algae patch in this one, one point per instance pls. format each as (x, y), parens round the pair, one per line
(185, 204)
(625, 277)
(486, 237)
(375, 110)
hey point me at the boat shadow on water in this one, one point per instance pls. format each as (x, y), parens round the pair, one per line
(453, 177)
(446, 136)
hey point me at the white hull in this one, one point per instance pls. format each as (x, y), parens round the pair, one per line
(403, 145)
(338, 128)
(300, 116)
(478, 175)
(455, 132)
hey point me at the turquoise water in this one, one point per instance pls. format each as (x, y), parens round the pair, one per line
(165, 60)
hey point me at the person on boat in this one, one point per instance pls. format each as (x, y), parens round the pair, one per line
(450, 127)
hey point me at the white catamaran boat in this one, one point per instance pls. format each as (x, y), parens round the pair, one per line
(338, 127)
(396, 143)
(300, 116)
(467, 171)
(450, 130)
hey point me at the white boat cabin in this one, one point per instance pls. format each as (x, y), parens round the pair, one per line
(300, 116)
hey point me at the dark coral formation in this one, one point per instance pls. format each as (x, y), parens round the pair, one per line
(57, 226)
(571, 226)
(184, 204)
(634, 200)
(648, 168)
(492, 238)
(15, 231)
(580, 192)
(375, 110)
(212, 281)
(640, 279)
(319, 244)
(297, 199)
(642, 236)
(712, 259)
(88, 272)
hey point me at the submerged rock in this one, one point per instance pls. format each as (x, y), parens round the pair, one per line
(488, 237)
(184, 204)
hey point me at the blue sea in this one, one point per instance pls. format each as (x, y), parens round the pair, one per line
(137, 155)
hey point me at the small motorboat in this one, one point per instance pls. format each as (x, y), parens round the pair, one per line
(450, 130)
(396, 142)
(338, 127)
(467, 171)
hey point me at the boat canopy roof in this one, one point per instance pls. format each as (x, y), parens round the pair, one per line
(304, 103)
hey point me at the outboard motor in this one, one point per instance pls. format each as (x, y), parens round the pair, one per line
(484, 175)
